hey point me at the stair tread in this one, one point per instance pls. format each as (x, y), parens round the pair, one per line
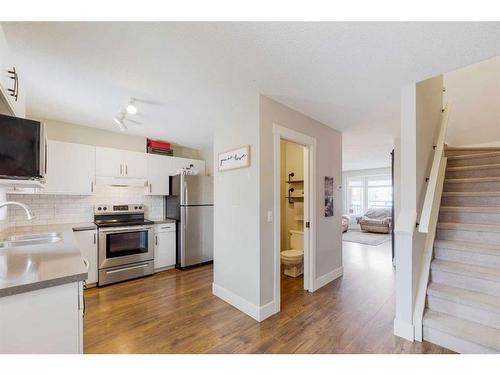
(474, 156)
(478, 272)
(463, 329)
(465, 148)
(478, 209)
(471, 180)
(465, 297)
(471, 194)
(474, 247)
(469, 227)
(473, 167)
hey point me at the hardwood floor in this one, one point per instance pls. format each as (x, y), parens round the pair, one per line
(175, 312)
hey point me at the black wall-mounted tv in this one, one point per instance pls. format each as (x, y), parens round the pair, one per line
(22, 148)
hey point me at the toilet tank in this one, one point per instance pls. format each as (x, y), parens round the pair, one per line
(297, 239)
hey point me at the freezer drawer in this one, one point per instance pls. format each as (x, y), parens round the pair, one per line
(196, 236)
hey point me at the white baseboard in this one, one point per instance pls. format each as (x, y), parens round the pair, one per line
(233, 299)
(327, 278)
(267, 310)
(245, 306)
(404, 329)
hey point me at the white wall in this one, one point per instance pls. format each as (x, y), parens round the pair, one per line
(243, 237)
(236, 209)
(328, 163)
(475, 113)
(421, 106)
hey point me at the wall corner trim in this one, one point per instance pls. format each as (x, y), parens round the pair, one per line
(328, 278)
(404, 329)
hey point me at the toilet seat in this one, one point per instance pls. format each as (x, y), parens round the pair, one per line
(292, 254)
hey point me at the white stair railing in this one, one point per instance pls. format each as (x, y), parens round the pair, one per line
(429, 219)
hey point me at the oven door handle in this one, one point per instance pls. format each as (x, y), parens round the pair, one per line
(125, 229)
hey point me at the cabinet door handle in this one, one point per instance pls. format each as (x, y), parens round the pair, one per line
(150, 188)
(95, 239)
(126, 170)
(121, 169)
(156, 240)
(92, 186)
(15, 91)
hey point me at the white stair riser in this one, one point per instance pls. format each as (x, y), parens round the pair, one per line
(469, 217)
(469, 236)
(472, 186)
(475, 314)
(471, 201)
(454, 343)
(466, 282)
(473, 161)
(468, 257)
(490, 172)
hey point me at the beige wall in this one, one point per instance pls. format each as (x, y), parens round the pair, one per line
(475, 113)
(292, 160)
(328, 163)
(65, 132)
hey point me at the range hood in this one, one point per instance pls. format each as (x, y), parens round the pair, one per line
(120, 181)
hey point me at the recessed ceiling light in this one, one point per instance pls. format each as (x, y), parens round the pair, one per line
(131, 109)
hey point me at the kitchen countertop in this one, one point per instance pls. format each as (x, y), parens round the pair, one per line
(27, 268)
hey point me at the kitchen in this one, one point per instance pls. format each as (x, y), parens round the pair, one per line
(86, 208)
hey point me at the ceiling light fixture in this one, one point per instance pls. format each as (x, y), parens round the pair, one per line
(120, 123)
(131, 108)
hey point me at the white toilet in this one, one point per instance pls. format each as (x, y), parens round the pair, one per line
(293, 259)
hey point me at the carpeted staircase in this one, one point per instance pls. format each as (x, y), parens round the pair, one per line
(463, 296)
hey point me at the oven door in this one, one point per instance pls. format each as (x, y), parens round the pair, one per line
(125, 245)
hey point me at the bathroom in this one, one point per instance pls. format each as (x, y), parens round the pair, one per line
(292, 211)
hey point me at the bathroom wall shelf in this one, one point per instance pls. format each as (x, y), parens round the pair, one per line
(290, 181)
(292, 199)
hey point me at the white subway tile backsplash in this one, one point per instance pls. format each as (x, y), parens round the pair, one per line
(60, 209)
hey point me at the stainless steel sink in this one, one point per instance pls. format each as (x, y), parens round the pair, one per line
(30, 239)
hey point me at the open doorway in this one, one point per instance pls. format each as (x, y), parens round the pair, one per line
(294, 211)
(291, 217)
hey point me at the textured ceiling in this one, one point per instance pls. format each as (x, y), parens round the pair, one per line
(346, 75)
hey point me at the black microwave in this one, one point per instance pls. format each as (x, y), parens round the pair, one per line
(22, 149)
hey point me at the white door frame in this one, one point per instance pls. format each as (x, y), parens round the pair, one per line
(281, 132)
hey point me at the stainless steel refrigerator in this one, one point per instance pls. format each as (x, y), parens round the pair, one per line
(191, 204)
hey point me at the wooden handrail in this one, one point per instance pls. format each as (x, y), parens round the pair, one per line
(428, 222)
(425, 217)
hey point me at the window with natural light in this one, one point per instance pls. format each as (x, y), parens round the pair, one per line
(364, 192)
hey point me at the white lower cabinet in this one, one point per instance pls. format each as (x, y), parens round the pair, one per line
(87, 243)
(43, 321)
(164, 246)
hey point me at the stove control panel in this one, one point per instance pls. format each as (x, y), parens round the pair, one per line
(119, 208)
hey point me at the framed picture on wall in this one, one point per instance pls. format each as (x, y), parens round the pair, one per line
(329, 204)
(234, 159)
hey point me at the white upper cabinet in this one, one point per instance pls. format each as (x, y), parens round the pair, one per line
(70, 169)
(159, 168)
(11, 81)
(111, 162)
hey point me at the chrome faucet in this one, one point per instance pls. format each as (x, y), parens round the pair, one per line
(29, 213)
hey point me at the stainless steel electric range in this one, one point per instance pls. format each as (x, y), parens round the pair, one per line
(125, 242)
